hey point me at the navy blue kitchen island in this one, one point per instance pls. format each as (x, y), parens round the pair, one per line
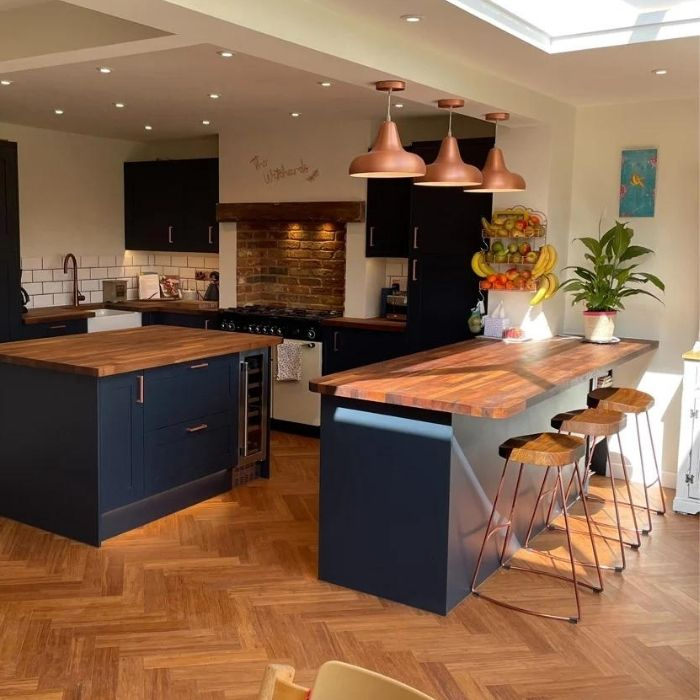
(102, 433)
(409, 458)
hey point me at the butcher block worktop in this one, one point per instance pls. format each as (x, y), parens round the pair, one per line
(481, 378)
(377, 323)
(67, 313)
(117, 352)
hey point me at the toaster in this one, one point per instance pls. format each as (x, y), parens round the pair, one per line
(114, 290)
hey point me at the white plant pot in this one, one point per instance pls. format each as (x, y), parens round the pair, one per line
(599, 326)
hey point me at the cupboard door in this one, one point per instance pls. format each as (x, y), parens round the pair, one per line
(120, 441)
(388, 214)
(10, 305)
(201, 191)
(153, 201)
(347, 348)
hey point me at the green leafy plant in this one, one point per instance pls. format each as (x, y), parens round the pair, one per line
(611, 277)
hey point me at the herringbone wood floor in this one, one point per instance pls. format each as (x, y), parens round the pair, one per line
(195, 605)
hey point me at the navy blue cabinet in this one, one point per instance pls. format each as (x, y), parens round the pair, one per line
(172, 318)
(120, 441)
(347, 348)
(10, 305)
(53, 329)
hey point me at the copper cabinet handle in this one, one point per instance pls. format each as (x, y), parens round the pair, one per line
(210, 240)
(201, 365)
(415, 237)
(371, 236)
(336, 335)
(170, 234)
(58, 328)
(414, 276)
(197, 428)
(139, 398)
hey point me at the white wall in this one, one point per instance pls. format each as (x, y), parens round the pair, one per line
(601, 134)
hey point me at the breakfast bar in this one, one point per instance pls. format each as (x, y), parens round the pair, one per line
(409, 457)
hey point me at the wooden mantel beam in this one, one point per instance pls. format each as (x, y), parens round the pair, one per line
(321, 212)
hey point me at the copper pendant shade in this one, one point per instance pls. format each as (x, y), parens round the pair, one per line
(496, 176)
(448, 169)
(388, 157)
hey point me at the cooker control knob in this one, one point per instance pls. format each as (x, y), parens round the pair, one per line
(265, 330)
(251, 328)
(279, 331)
(311, 334)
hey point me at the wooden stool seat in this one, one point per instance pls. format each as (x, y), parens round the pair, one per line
(543, 449)
(593, 422)
(620, 399)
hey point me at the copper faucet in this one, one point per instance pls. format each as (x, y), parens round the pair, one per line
(77, 296)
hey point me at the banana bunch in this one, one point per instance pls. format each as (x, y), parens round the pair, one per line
(546, 261)
(480, 266)
(546, 287)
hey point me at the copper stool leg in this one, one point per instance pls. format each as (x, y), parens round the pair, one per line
(656, 465)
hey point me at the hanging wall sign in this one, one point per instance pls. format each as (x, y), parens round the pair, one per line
(273, 173)
(638, 182)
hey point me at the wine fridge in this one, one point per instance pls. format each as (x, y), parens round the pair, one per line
(253, 410)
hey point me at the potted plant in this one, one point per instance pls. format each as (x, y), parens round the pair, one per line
(609, 280)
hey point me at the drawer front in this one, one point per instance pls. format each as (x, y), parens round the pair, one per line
(182, 453)
(35, 331)
(185, 392)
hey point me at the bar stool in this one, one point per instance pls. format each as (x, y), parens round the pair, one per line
(551, 451)
(599, 424)
(634, 402)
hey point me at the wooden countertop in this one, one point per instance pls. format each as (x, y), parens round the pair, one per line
(377, 323)
(117, 352)
(483, 378)
(68, 313)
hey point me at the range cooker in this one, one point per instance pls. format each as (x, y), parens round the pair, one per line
(292, 402)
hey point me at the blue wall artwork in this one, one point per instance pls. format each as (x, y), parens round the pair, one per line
(638, 182)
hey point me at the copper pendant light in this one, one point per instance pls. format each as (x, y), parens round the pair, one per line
(497, 177)
(388, 157)
(448, 169)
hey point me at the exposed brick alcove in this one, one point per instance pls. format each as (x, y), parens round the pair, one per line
(292, 264)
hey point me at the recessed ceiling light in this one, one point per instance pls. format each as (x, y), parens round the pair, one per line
(58, 111)
(659, 71)
(399, 105)
(5, 82)
(206, 122)
(325, 83)
(119, 105)
(148, 127)
(295, 114)
(104, 69)
(225, 53)
(411, 18)
(214, 95)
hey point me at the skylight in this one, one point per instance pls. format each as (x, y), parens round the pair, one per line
(556, 26)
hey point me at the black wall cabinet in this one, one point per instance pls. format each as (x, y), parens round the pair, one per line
(10, 304)
(171, 205)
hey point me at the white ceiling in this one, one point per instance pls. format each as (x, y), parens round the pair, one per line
(555, 26)
(165, 64)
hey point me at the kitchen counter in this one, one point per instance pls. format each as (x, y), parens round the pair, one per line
(484, 378)
(118, 352)
(67, 313)
(377, 323)
(410, 461)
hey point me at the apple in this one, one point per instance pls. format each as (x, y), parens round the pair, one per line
(497, 246)
(525, 274)
(516, 258)
(520, 224)
(512, 273)
(531, 257)
(501, 257)
(509, 225)
(524, 248)
(512, 248)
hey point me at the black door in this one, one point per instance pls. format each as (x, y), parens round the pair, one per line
(10, 304)
(153, 205)
(201, 188)
(388, 217)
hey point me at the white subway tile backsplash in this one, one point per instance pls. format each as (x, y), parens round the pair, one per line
(34, 288)
(53, 287)
(139, 259)
(95, 297)
(60, 275)
(178, 261)
(151, 259)
(52, 261)
(115, 272)
(152, 268)
(42, 276)
(89, 261)
(132, 271)
(42, 300)
(98, 273)
(188, 272)
(126, 259)
(162, 259)
(171, 270)
(88, 286)
(84, 273)
(62, 299)
(31, 263)
(107, 261)
(26, 276)
(393, 269)
(211, 263)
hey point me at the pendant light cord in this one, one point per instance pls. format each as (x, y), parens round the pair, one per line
(449, 124)
(388, 106)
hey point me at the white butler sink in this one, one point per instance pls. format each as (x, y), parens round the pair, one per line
(113, 320)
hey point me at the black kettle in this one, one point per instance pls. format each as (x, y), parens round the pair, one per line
(24, 298)
(212, 293)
